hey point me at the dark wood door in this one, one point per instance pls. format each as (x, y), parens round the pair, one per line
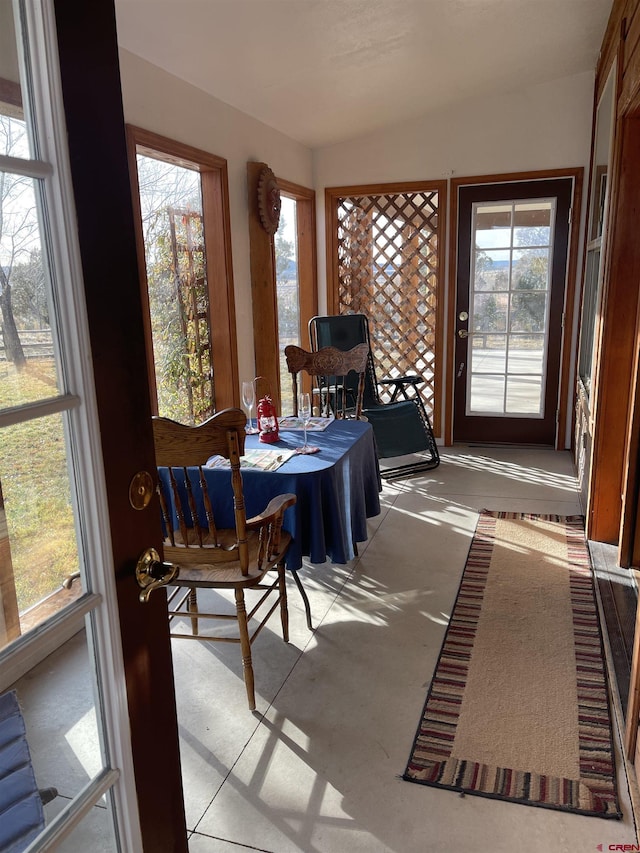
(512, 263)
(98, 160)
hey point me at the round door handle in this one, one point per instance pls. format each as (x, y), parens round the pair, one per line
(462, 333)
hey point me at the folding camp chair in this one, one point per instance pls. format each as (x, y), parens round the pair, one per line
(401, 426)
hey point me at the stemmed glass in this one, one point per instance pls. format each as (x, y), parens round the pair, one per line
(304, 413)
(249, 399)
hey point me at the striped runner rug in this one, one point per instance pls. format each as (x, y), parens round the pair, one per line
(518, 708)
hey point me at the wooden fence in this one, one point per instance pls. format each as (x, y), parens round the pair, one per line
(36, 343)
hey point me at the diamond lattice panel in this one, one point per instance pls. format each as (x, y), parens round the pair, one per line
(388, 270)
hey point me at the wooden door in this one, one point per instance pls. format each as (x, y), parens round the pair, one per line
(89, 70)
(513, 241)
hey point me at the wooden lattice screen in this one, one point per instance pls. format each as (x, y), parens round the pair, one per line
(187, 247)
(388, 268)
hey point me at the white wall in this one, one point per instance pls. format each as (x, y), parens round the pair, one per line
(543, 127)
(164, 104)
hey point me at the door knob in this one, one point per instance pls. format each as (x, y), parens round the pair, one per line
(462, 333)
(152, 573)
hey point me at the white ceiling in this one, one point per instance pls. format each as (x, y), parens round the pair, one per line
(322, 71)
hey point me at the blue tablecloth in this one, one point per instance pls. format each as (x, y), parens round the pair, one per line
(337, 489)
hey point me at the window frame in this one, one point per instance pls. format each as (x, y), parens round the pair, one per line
(217, 238)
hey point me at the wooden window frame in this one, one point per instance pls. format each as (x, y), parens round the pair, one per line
(307, 256)
(331, 194)
(217, 239)
(263, 277)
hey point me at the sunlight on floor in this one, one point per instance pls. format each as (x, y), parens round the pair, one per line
(316, 769)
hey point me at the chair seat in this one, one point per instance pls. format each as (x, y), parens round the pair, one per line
(224, 569)
(398, 428)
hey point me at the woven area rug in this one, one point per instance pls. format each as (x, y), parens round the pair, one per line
(518, 707)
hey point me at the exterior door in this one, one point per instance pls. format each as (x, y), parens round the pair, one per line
(80, 420)
(512, 262)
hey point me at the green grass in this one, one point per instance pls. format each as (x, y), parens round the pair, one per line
(35, 487)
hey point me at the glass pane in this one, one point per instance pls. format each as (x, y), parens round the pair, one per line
(490, 312)
(492, 226)
(524, 395)
(27, 368)
(526, 354)
(532, 224)
(171, 205)
(12, 126)
(528, 312)
(530, 269)
(57, 702)
(488, 353)
(589, 313)
(486, 394)
(288, 289)
(601, 157)
(38, 551)
(492, 270)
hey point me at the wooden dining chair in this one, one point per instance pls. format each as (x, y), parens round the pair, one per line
(207, 556)
(328, 368)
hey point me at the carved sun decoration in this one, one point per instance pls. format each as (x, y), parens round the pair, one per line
(269, 201)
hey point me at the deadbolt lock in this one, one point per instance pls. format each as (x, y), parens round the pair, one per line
(141, 490)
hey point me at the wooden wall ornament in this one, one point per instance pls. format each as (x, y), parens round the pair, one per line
(269, 201)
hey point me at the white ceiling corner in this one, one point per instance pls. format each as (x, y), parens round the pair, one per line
(322, 71)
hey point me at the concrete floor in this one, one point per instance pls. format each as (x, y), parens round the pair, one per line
(316, 768)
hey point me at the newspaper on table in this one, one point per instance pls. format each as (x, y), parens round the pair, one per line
(267, 459)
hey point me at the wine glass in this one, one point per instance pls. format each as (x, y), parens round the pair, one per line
(249, 399)
(304, 413)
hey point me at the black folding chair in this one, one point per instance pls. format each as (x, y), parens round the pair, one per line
(401, 426)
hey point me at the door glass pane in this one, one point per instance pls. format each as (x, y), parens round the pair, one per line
(528, 312)
(493, 226)
(532, 224)
(56, 699)
(492, 269)
(38, 549)
(490, 312)
(171, 205)
(487, 394)
(531, 269)
(510, 293)
(524, 394)
(489, 354)
(288, 294)
(526, 354)
(28, 371)
(16, 141)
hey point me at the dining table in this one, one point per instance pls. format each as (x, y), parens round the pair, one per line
(337, 489)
